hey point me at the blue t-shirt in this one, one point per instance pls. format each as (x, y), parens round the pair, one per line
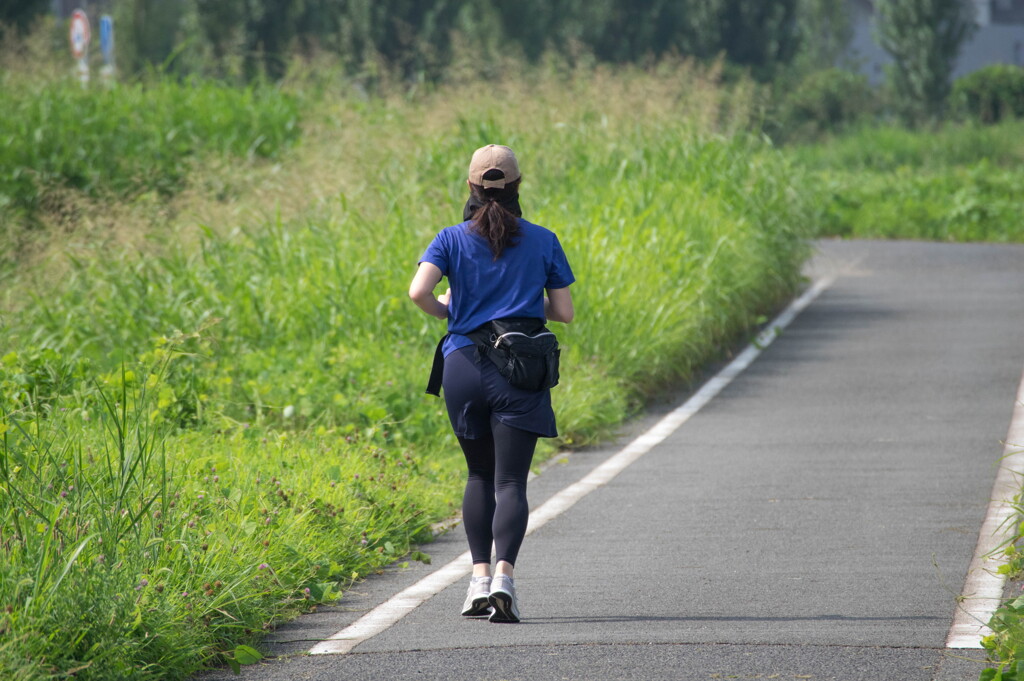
(484, 288)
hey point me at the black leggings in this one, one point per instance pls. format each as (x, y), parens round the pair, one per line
(494, 507)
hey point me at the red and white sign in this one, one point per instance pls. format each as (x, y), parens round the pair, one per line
(78, 34)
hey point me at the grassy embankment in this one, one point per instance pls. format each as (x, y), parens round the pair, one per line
(957, 183)
(219, 418)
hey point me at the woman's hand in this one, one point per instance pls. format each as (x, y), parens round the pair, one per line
(445, 298)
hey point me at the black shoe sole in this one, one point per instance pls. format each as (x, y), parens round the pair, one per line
(502, 604)
(480, 608)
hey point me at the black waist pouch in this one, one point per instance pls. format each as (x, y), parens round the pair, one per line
(525, 352)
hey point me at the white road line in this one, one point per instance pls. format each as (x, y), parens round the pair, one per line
(391, 611)
(983, 590)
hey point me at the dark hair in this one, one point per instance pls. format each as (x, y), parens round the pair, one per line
(492, 220)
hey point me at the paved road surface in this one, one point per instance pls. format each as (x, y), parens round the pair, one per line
(814, 521)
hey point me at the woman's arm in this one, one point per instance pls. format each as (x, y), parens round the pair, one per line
(558, 305)
(421, 290)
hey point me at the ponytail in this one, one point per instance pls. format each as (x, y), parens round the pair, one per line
(492, 220)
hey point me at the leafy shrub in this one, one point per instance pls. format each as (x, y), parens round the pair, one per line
(826, 101)
(990, 94)
(36, 378)
(1006, 644)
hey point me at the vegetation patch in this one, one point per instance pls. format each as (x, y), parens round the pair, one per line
(229, 425)
(957, 183)
(136, 138)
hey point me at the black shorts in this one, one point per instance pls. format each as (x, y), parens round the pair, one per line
(474, 392)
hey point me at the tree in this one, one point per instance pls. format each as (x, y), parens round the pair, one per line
(924, 38)
(630, 30)
(147, 32)
(21, 13)
(412, 39)
(762, 36)
(826, 29)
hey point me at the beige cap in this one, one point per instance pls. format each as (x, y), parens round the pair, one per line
(493, 157)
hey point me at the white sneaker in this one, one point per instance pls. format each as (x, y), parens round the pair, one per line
(503, 600)
(476, 604)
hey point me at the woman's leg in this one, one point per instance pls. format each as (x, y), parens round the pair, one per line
(470, 418)
(513, 453)
(478, 501)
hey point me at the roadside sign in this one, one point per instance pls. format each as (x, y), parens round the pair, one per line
(107, 48)
(107, 38)
(78, 34)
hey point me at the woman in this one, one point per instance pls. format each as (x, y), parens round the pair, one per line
(498, 265)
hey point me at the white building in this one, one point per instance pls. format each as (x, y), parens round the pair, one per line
(998, 39)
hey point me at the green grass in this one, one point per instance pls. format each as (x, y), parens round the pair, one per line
(128, 140)
(131, 554)
(197, 434)
(959, 183)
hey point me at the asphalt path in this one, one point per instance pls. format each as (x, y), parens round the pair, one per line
(815, 520)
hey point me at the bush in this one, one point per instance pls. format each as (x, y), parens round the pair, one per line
(826, 101)
(990, 94)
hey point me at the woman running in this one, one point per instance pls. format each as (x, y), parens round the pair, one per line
(498, 266)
